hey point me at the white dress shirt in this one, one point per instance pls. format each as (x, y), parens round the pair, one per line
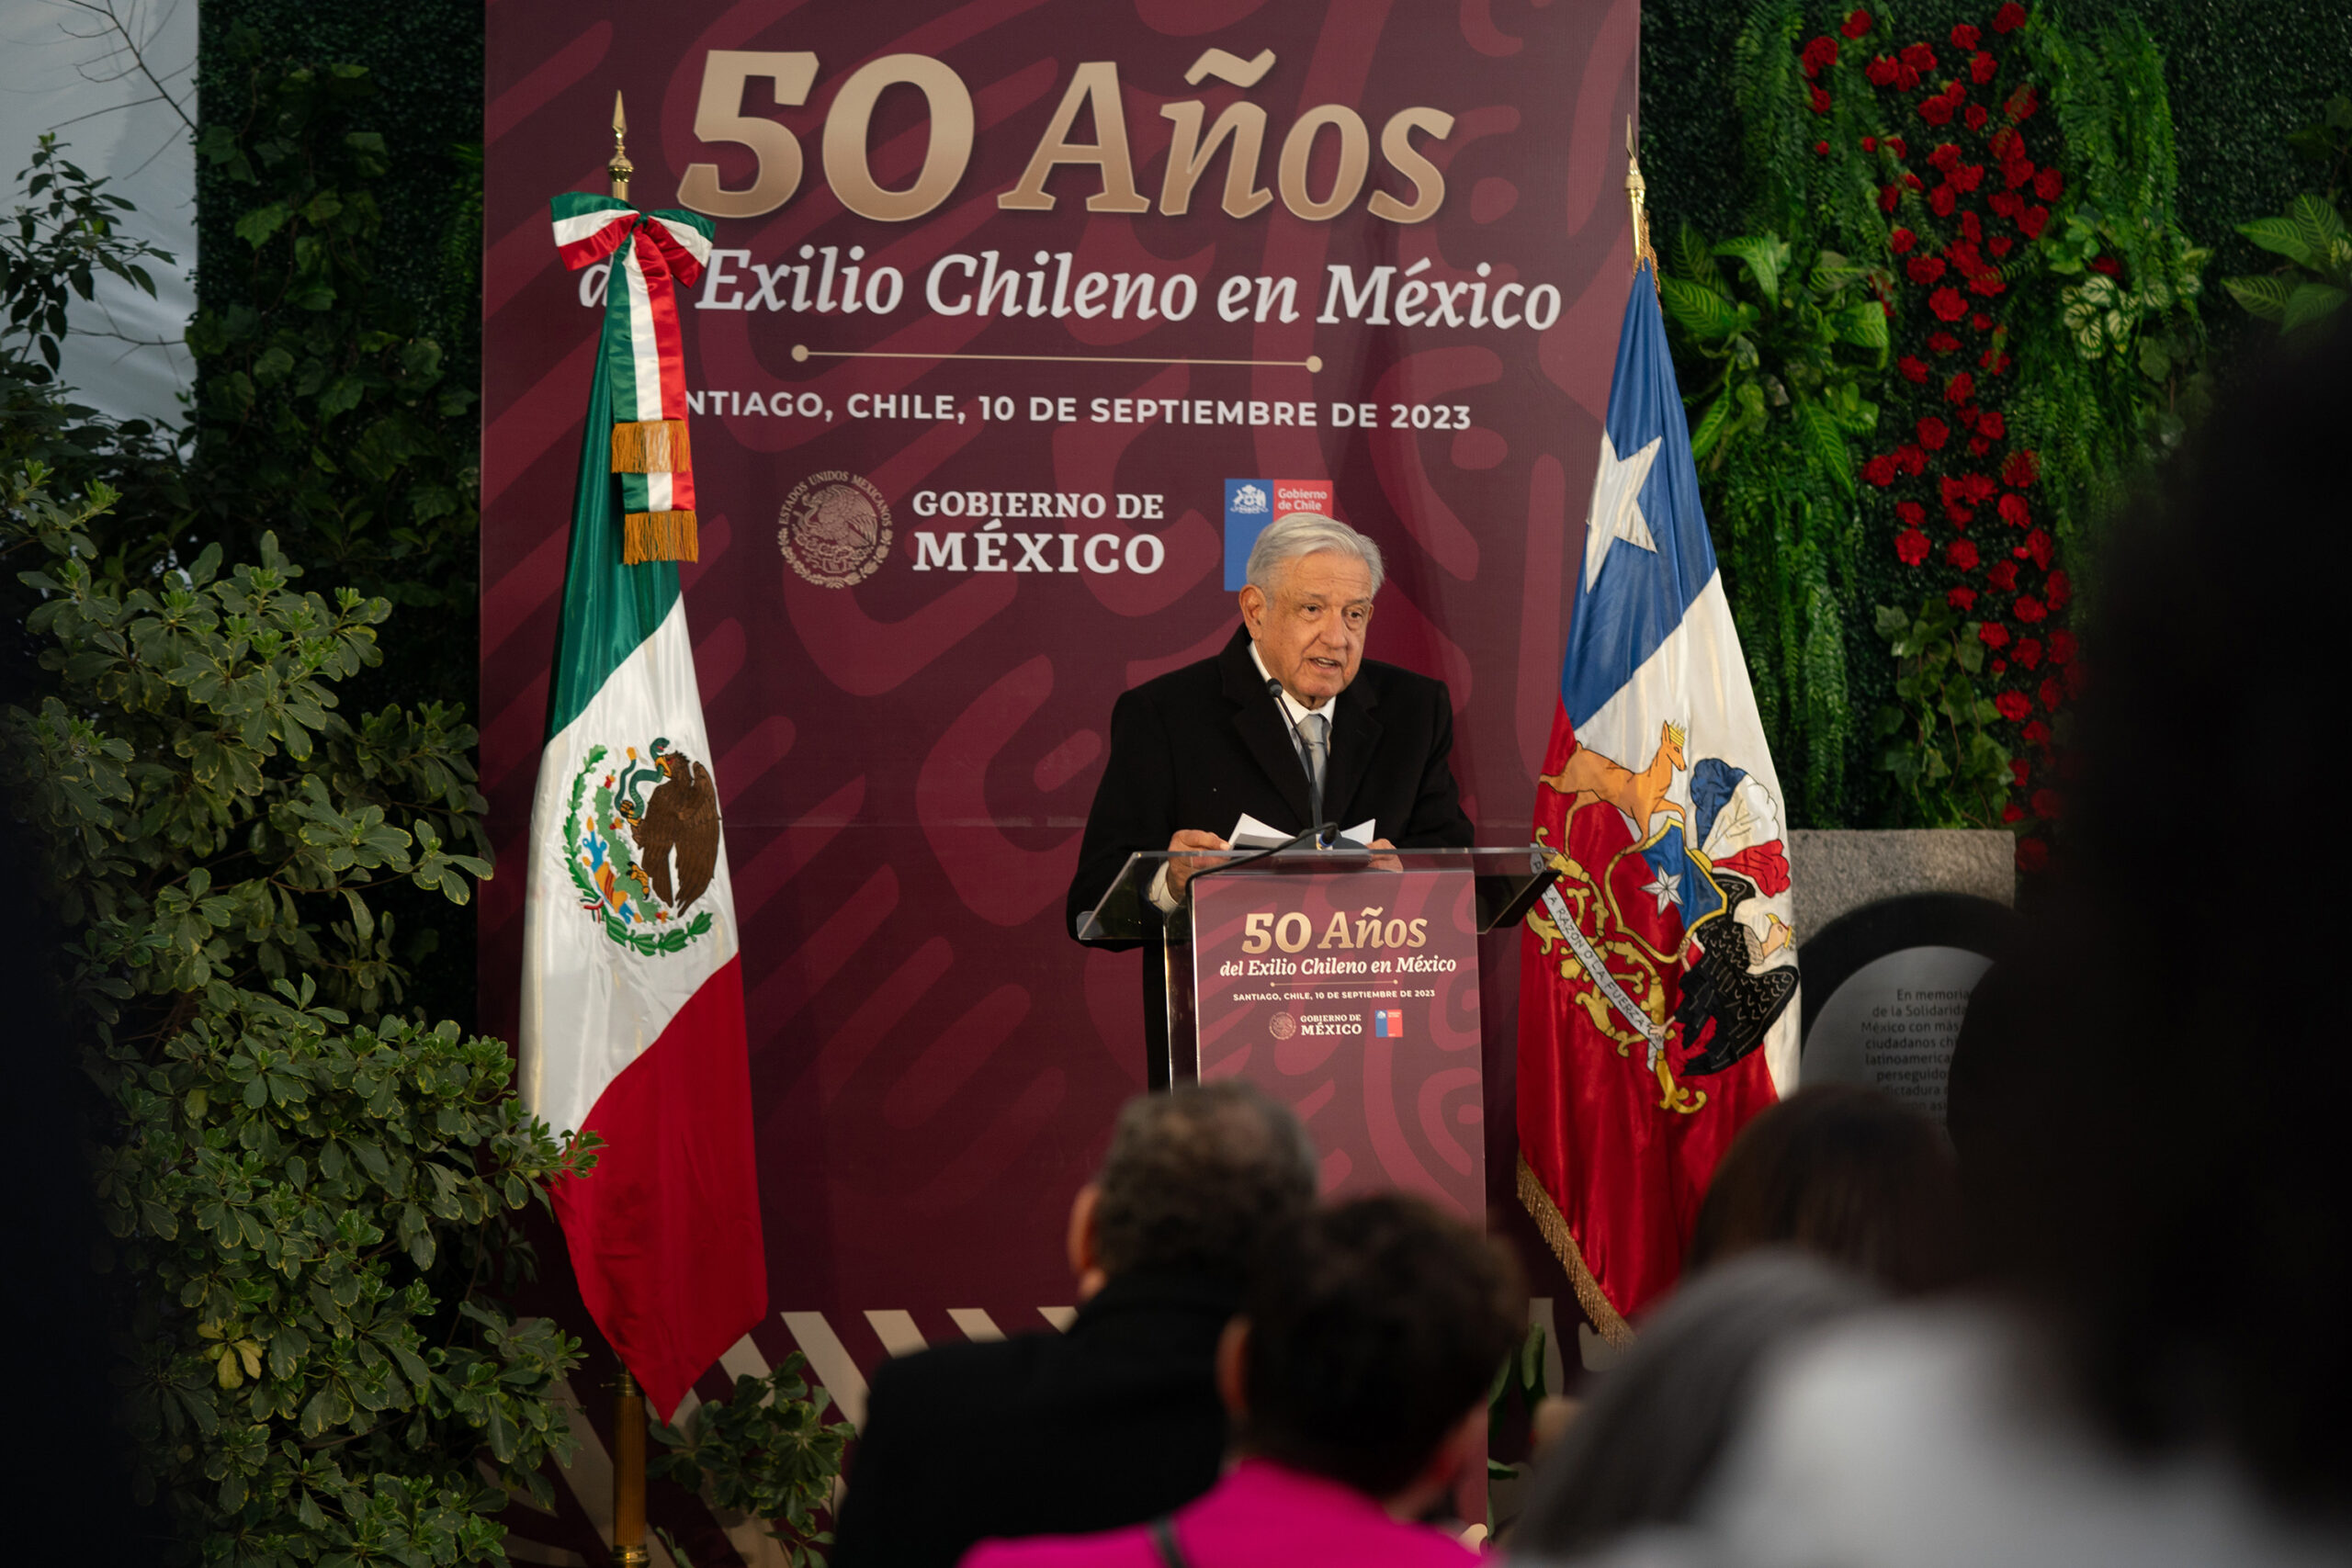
(1294, 713)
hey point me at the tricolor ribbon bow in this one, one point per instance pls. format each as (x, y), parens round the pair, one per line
(654, 255)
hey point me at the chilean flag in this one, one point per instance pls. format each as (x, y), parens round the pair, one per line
(632, 984)
(1658, 991)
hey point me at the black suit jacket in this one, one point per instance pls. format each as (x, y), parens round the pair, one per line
(1113, 1423)
(1200, 745)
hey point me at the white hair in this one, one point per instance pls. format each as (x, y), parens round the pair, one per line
(1304, 534)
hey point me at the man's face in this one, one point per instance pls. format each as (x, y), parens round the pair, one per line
(1310, 630)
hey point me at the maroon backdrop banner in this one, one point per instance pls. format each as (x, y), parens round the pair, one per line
(941, 531)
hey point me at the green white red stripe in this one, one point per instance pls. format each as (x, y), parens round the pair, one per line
(632, 1022)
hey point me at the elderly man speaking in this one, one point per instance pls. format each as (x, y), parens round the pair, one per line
(1289, 716)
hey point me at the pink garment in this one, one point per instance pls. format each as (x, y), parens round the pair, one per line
(1260, 1515)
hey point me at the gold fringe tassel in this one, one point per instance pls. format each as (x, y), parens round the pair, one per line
(1555, 1226)
(650, 446)
(658, 536)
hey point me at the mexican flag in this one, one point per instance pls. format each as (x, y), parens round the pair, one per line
(632, 985)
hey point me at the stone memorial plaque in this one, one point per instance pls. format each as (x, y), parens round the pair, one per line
(1886, 986)
(1892, 1024)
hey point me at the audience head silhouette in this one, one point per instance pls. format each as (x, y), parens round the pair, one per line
(1194, 1179)
(1365, 1348)
(1845, 1173)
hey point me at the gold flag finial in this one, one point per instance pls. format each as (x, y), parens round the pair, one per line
(1637, 192)
(620, 168)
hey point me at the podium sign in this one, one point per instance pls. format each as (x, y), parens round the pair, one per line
(1352, 998)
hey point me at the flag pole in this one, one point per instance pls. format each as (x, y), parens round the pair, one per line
(628, 1400)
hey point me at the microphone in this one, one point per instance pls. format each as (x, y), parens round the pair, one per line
(1305, 760)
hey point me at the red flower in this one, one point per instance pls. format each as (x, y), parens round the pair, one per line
(2058, 589)
(1901, 240)
(2021, 103)
(1959, 389)
(2030, 609)
(1910, 459)
(1978, 488)
(1880, 470)
(2021, 470)
(1821, 149)
(2040, 548)
(1882, 72)
(1887, 200)
(2009, 17)
(2108, 264)
(1992, 364)
(1820, 100)
(1911, 180)
(1933, 434)
(2012, 812)
(2048, 184)
(1914, 368)
(1919, 57)
(1936, 110)
(1906, 77)
(1965, 178)
(2047, 804)
(1912, 546)
(1962, 554)
(1948, 306)
(2062, 647)
(1943, 157)
(1924, 269)
(1980, 322)
(1978, 447)
(2037, 733)
(1910, 514)
(2033, 853)
(1941, 199)
(1987, 282)
(1821, 52)
(1962, 598)
(2000, 243)
(2035, 216)
(1981, 67)
(1902, 147)
(1944, 342)
(2053, 694)
(1957, 514)
(2003, 576)
(1993, 635)
(2028, 652)
(2005, 203)
(1963, 36)
(2019, 769)
(1856, 24)
(2014, 513)
(2014, 705)
(1970, 229)
(1975, 117)
(1869, 143)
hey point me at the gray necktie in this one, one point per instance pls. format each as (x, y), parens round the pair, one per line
(1316, 727)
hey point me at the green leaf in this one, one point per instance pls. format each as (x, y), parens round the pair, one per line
(2264, 296)
(2309, 302)
(256, 226)
(1699, 311)
(1765, 255)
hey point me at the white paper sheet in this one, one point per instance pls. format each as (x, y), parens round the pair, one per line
(1248, 833)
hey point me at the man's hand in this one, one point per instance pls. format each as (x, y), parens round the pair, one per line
(1180, 870)
(1383, 863)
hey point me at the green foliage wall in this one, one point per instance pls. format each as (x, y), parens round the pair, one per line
(2239, 76)
(425, 57)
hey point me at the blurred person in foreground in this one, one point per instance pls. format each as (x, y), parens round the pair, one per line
(2161, 1370)
(1357, 1379)
(1846, 1173)
(1640, 1453)
(1119, 1419)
